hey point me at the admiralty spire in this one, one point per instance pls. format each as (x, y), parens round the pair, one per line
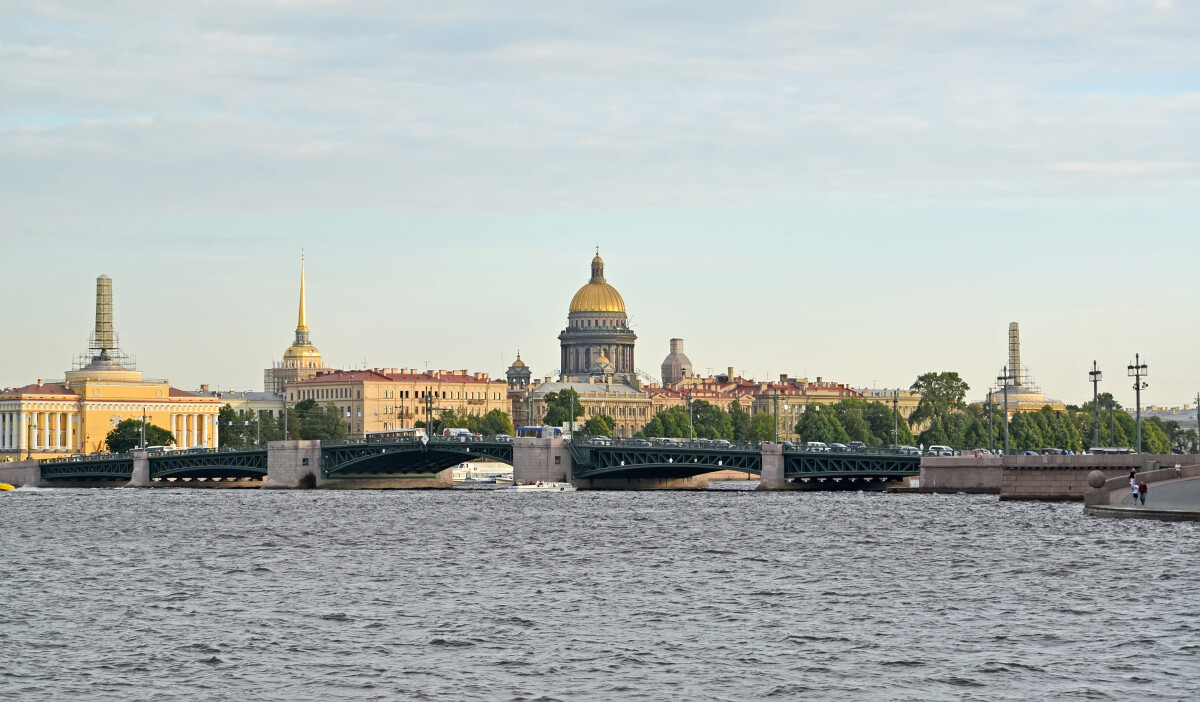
(302, 360)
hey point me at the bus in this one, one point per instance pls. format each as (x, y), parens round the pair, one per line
(391, 434)
(540, 432)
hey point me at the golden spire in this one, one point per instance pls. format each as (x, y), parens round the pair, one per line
(302, 324)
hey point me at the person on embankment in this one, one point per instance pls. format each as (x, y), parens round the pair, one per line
(1141, 492)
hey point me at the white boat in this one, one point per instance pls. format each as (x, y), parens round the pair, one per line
(543, 486)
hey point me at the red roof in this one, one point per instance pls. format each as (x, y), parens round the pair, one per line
(370, 375)
(176, 392)
(47, 389)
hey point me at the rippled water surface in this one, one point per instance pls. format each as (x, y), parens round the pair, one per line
(481, 595)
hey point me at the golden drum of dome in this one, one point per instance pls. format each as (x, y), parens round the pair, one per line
(302, 351)
(597, 297)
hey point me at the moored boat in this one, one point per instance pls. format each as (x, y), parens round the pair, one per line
(542, 486)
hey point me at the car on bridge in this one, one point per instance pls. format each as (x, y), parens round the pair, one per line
(504, 438)
(816, 447)
(856, 446)
(599, 441)
(937, 450)
(909, 451)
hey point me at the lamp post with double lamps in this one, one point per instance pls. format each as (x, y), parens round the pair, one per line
(1095, 376)
(1137, 371)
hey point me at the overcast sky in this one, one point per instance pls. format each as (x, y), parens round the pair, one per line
(862, 191)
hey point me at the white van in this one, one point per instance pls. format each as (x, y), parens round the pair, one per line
(816, 447)
(456, 431)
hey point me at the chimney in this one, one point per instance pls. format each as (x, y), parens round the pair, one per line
(783, 378)
(676, 345)
(731, 372)
(39, 382)
(204, 387)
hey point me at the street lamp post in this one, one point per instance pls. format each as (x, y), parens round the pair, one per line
(1005, 378)
(1137, 371)
(29, 434)
(991, 431)
(775, 394)
(691, 432)
(895, 418)
(1095, 376)
(143, 442)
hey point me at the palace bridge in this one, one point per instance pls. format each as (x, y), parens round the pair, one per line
(428, 462)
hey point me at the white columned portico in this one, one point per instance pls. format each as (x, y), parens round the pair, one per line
(187, 431)
(5, 429)
(20, 430)
(55, 418)
(45, 425)
(70, 434)
(203, 430)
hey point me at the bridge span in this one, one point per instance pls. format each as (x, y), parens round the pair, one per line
(429, 462)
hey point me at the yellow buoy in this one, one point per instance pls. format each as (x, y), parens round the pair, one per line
(6, 486)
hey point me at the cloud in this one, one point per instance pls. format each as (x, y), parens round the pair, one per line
(1120, 168)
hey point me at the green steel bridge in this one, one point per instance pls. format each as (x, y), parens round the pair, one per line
(626, 460)
(222, 464)
(417, 456)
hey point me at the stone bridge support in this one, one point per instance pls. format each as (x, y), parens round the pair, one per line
(547, 460)
(774, 476)
(141, 469)
(21, 473)
(292, 464)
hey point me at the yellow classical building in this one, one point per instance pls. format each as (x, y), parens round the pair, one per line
(387, 399)
(75, 415)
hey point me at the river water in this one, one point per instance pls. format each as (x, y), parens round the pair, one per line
(486, 595)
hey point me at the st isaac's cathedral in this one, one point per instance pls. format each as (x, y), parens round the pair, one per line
(596, 360)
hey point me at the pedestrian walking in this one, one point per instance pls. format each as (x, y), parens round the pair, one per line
(1141, 491)
(1133, 483)
(1135, 494)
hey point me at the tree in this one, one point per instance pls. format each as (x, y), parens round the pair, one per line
(941, 393)
(599, 425)
(710, 421)
(558, 407)
(317, 423)
(740, 420)
(495, 422)
(128, 435)
(817, 424)
(671, 422)
(762, 427)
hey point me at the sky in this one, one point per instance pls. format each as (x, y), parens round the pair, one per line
(862, 191)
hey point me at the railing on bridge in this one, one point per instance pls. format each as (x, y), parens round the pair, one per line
(594, 456)
(108, 466)
(242, 462)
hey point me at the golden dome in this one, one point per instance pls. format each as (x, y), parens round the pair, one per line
(518, 363)
(597, 295)
(302, 351)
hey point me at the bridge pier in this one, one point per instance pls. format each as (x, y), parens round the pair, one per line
(547, 460)
(774, 476)
(293, 464)
(21, 473)
(141, 469)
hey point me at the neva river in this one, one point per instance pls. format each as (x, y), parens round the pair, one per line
(482, 595)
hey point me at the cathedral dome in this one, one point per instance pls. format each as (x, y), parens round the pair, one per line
(597, 295)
